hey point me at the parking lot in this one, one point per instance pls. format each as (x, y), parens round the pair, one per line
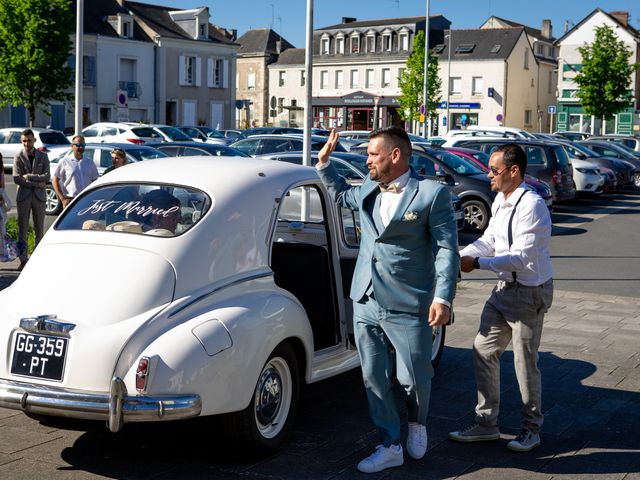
(590, 361)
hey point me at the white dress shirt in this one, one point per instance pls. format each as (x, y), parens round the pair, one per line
(531, 232)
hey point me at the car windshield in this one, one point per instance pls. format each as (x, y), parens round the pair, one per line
(148, 209)
(175, 134)
(54, 138)
(145, 153)
(211, 133)
(458, 164)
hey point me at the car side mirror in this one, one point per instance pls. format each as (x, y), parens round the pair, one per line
(580, 156)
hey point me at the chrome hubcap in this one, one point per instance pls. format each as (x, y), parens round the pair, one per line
(473, 215)
(268, 396)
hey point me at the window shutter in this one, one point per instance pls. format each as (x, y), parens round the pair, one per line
(198, 71)
(181, 72)
(209, 72)
(225, 74)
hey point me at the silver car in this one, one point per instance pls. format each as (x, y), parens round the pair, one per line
(48, 140)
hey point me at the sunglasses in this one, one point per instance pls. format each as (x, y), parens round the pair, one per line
(78, 145)
(496, 173)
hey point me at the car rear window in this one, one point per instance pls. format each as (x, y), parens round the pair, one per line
(561, 156)
(145, 132)
(145, 209)
(54, 138)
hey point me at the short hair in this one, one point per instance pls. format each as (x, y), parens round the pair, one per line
(396, 136)
(119, 152)
(160, 198)
(26, 132)
(513, 154)
(77, 136)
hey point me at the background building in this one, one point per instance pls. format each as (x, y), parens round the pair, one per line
(571, 116)
(259, 48)
(356, 69)
(287, 89)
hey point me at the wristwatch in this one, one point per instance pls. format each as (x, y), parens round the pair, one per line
(476, 263)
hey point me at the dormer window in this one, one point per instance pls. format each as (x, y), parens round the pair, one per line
(371, 41)
(324, 45)
(203, 30)
(386, 40)
(340, 44)
(122, 24)
(403, 41)
(355, 43)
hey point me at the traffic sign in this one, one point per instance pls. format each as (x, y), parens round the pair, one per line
(499, 117)
(551, 109)
(421, 109)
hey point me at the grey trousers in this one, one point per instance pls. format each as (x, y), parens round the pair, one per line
(513, 312)
(36, 208)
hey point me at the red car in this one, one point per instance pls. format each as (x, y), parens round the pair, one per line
(481, 159)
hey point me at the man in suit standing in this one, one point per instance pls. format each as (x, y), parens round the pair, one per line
(30, 174)
(403, 284)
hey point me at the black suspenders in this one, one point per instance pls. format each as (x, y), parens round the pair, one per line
(510, 233)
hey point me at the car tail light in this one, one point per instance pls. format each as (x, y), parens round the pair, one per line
(556, 178)
(43, 149)
(137, 141)
(142, 374)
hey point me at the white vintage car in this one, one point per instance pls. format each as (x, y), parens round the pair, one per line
(183, 288)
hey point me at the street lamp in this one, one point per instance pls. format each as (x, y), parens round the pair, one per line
(448, 76)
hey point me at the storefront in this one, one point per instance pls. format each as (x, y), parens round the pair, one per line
(356, 111)
(571, 117)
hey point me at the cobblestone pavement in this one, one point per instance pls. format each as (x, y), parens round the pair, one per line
(590, 361)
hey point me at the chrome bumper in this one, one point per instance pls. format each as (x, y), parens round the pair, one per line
(115, 407)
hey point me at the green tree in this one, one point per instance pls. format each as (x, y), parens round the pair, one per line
(35, 43)
(412, 83)
(605, 78)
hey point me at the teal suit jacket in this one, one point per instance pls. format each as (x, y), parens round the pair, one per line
(416, 256)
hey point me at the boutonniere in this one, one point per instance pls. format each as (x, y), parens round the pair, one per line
(410, 216)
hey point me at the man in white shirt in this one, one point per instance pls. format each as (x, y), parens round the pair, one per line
(515, 246)
(74, 173)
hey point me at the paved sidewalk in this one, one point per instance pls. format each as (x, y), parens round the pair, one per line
(590, 363)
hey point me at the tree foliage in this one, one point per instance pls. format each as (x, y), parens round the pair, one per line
(35, 44)
(412, 83)
(605, 78)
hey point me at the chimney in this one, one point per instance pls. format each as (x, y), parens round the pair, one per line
(622, 17)
(348, 19)
(234, 34)
(547, 28)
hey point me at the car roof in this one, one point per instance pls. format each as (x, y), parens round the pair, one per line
(291, 136)
(33, 129)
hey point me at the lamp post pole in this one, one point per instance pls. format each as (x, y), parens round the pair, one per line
(448, 79)
(425, 96)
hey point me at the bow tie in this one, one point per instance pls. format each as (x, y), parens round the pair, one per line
(392, 187)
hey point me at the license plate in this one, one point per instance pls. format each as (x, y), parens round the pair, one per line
(40, 356)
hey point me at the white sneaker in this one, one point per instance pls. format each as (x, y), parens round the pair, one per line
(382, 458)
(417, 440)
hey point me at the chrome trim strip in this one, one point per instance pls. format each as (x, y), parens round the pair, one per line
(217, 289)
(115, 407)
(46, 323)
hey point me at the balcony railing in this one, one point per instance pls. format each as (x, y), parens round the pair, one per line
(132, 88)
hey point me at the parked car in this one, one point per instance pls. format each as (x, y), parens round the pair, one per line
(205, 134)
(586, 177)
(611, 149)
(110, 132)
(573, 136)
(100, 153)
(250, 132)
(47, 140)
(623, 170)
(185, 149)
(490, 131)
(353, 167)
(482, 160)
(232, 134)
(171, 134)
(545, 160)
(262, 144)
(205, 303)
(468, 181)
(629, 141)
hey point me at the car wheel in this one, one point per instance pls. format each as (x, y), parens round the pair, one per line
(263, 426)
(476, 215)
(52, 204)
(437, 345)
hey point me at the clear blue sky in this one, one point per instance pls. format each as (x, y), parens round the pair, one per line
(288, 17)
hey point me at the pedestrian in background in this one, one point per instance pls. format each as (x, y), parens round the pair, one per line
(118, 159)
(73, 173)
(515, 246)
(31, 175)
(403, 284)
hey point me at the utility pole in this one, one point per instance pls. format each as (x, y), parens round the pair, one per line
(425, 96)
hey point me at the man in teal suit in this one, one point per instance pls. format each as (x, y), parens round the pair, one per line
(403, 284)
